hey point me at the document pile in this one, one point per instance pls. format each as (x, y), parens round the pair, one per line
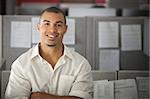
(118, 89)
(103, 89)
(125, 89)
(143, 87)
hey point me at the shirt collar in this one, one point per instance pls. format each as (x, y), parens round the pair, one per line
(35, 52)
(67, 52)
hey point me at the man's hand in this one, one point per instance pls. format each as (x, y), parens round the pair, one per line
(42, 95)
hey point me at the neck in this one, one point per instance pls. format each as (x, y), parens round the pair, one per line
(51, 53)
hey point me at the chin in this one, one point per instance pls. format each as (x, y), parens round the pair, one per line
(51, 45)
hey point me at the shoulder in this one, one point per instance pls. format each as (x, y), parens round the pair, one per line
(77, 57)
(23, 59)
(79, 62)
(25, 56)
(74, 54)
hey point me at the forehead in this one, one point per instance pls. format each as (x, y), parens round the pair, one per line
(53, 17)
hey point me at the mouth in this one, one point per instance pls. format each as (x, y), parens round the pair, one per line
(52, 36)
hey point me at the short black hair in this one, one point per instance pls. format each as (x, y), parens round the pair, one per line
(55, 10)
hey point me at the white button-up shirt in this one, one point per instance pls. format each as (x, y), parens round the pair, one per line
(31, 73)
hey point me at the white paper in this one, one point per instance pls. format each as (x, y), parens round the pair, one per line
(108, 34)
(82, 12)
(0, 38)
(35, 33)
(76, 5)
(100, 81)
(103, 90)
(131, 37)
(126, 89)
(143, 87)
(20, 34)
(69, 37)
(109, 59)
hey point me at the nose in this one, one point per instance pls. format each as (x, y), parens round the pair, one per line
(52, 29)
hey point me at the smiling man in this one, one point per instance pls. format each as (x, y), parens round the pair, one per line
(50, 70)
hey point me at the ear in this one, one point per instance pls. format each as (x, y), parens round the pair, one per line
(38, 26)
(66, 27)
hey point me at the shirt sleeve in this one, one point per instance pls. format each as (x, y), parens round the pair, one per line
(18, 86)
(83, 85)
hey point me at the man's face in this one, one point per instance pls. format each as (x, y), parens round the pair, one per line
(52, 28)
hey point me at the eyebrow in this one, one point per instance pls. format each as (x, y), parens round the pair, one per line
(49, 21)
(44, 21)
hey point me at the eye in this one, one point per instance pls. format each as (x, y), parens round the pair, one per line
(46, 23)
(59, 25)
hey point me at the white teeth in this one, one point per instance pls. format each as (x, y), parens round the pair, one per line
(51, 36)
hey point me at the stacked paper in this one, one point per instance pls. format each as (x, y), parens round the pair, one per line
(125, 89)
(103, 89)
(118, 89)
(143, 87)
